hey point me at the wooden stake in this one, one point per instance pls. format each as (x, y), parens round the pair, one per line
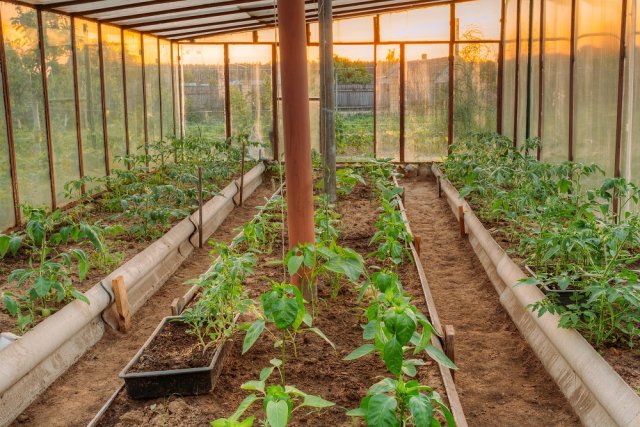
(463, 231)
(417, 243)
(177, 305)
(200, 231)
(449, 344)
(122, 304)
(439, 188)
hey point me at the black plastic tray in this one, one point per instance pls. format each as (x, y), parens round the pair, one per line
(182, 382)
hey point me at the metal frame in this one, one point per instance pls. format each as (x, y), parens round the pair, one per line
(274, 102)
(227, 93)
(451, 106)
(173, 90)
(47, 110)
(403, 76)
(500, 94)
(124, 89)
(517, 76)
(541, 76)
(572, 61)
(160, 89)
(619, 112)
(144, 98)
(9, 122)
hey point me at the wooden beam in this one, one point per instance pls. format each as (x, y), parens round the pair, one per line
(122, 304)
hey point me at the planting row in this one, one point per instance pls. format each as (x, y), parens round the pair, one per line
(48, 262)
(576, 232)
(327, 272)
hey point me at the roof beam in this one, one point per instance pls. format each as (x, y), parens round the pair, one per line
(121, 18)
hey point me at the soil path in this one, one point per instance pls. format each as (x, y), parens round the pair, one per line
(79, 394)
(500, 380)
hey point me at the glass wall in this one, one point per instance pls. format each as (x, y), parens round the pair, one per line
(59, 66)
(557, 72)
(152, 85)
(509, 80)
(388, 101)
(203, 90)
(410, 25)
(597, 55)
(135, 103)
(166, 89)
(7, 216)
(114, 92)
(19, 26)
(89, 95)
(631, 147)
(426, 101)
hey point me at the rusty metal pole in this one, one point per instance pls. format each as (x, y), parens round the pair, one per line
(297, 131)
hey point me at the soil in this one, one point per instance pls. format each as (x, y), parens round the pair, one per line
(126, 244)
(500, 380)
(79, 394)
(316, 369)
(173, 348)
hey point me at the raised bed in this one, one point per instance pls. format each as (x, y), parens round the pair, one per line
(599, 396)
(119, 400)
(30, 365)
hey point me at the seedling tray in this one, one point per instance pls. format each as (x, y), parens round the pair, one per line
(181, 382)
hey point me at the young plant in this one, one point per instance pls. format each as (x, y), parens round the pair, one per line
(279, 402)
(346, 181)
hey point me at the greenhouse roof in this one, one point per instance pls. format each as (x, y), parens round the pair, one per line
(189, 19)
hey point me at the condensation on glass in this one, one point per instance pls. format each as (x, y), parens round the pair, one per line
(89, 96)
(114, 95)
(64, 135)
(426, 101)
(203, 90)
(19, 26)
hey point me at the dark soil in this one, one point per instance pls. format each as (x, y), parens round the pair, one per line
(500, 380)
(316, 369)
(78, 395)
(173, 348)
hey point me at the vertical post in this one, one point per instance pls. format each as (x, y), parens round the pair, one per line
(463, 230)
(244, 147)
(376, 40)
(124, 90)
(274, 102)
(227, 93)
(517, 77)
(200, 204)
(9, 121)
(403, 76)
(76, 95)
(103, 103)
(160, 89)
(572, 61)
(327, 98)
(541, 75)
(452, 39)
(47, 110)
(619, 112)
(297, 132)
(181, 96)
(144, 99)
(501, 69)
(527, 133)
(173, 92)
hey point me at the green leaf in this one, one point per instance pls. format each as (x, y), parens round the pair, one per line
(277, 413)
(323, 336)
(294, 263)
(15, 244)
(437, 355)
(351, 267)
(252, 335)
(360, 352)
(4, 244)
(266, 373)
(401, 325)
(316, 402)
(11, 305)
(244, 405)
(393, 356)
(91, 234)
(83, 262)
(421, 410)
(253, 386)
(358, 412)
(382, 411)
(387, 385)
(285, 312)
(42, 286)
(76, 294)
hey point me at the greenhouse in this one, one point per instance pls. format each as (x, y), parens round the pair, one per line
(239, 213)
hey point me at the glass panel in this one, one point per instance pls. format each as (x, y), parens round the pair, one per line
(388, 102)
(7, 217)
(152, 84)
(426, 101)
(557, 71)
(167, 89)
(597, 55)
(535, 68)
(313, 59)
(114, 91)
(64, 135)
(268, 36)
(346, 30)
(244, 37)
(27, 103)
(354, 100)
(176, 82)
(631, 152)
(203, 91)
(479, 19)
(250, 90)
(135, 106)
(509, 79)
(522, 71)
(90, 97)
(475, 88)
(427, 24)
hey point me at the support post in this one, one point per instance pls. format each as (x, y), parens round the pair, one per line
(227, 94)
(463, 230)
(449, 345)
(417, 242)
(200, 204)
(327, 98)
(402, 101)
(500, 69)
(124, 91)
(122, 304)
(452, 39)
(297, 132)
(274, 103)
